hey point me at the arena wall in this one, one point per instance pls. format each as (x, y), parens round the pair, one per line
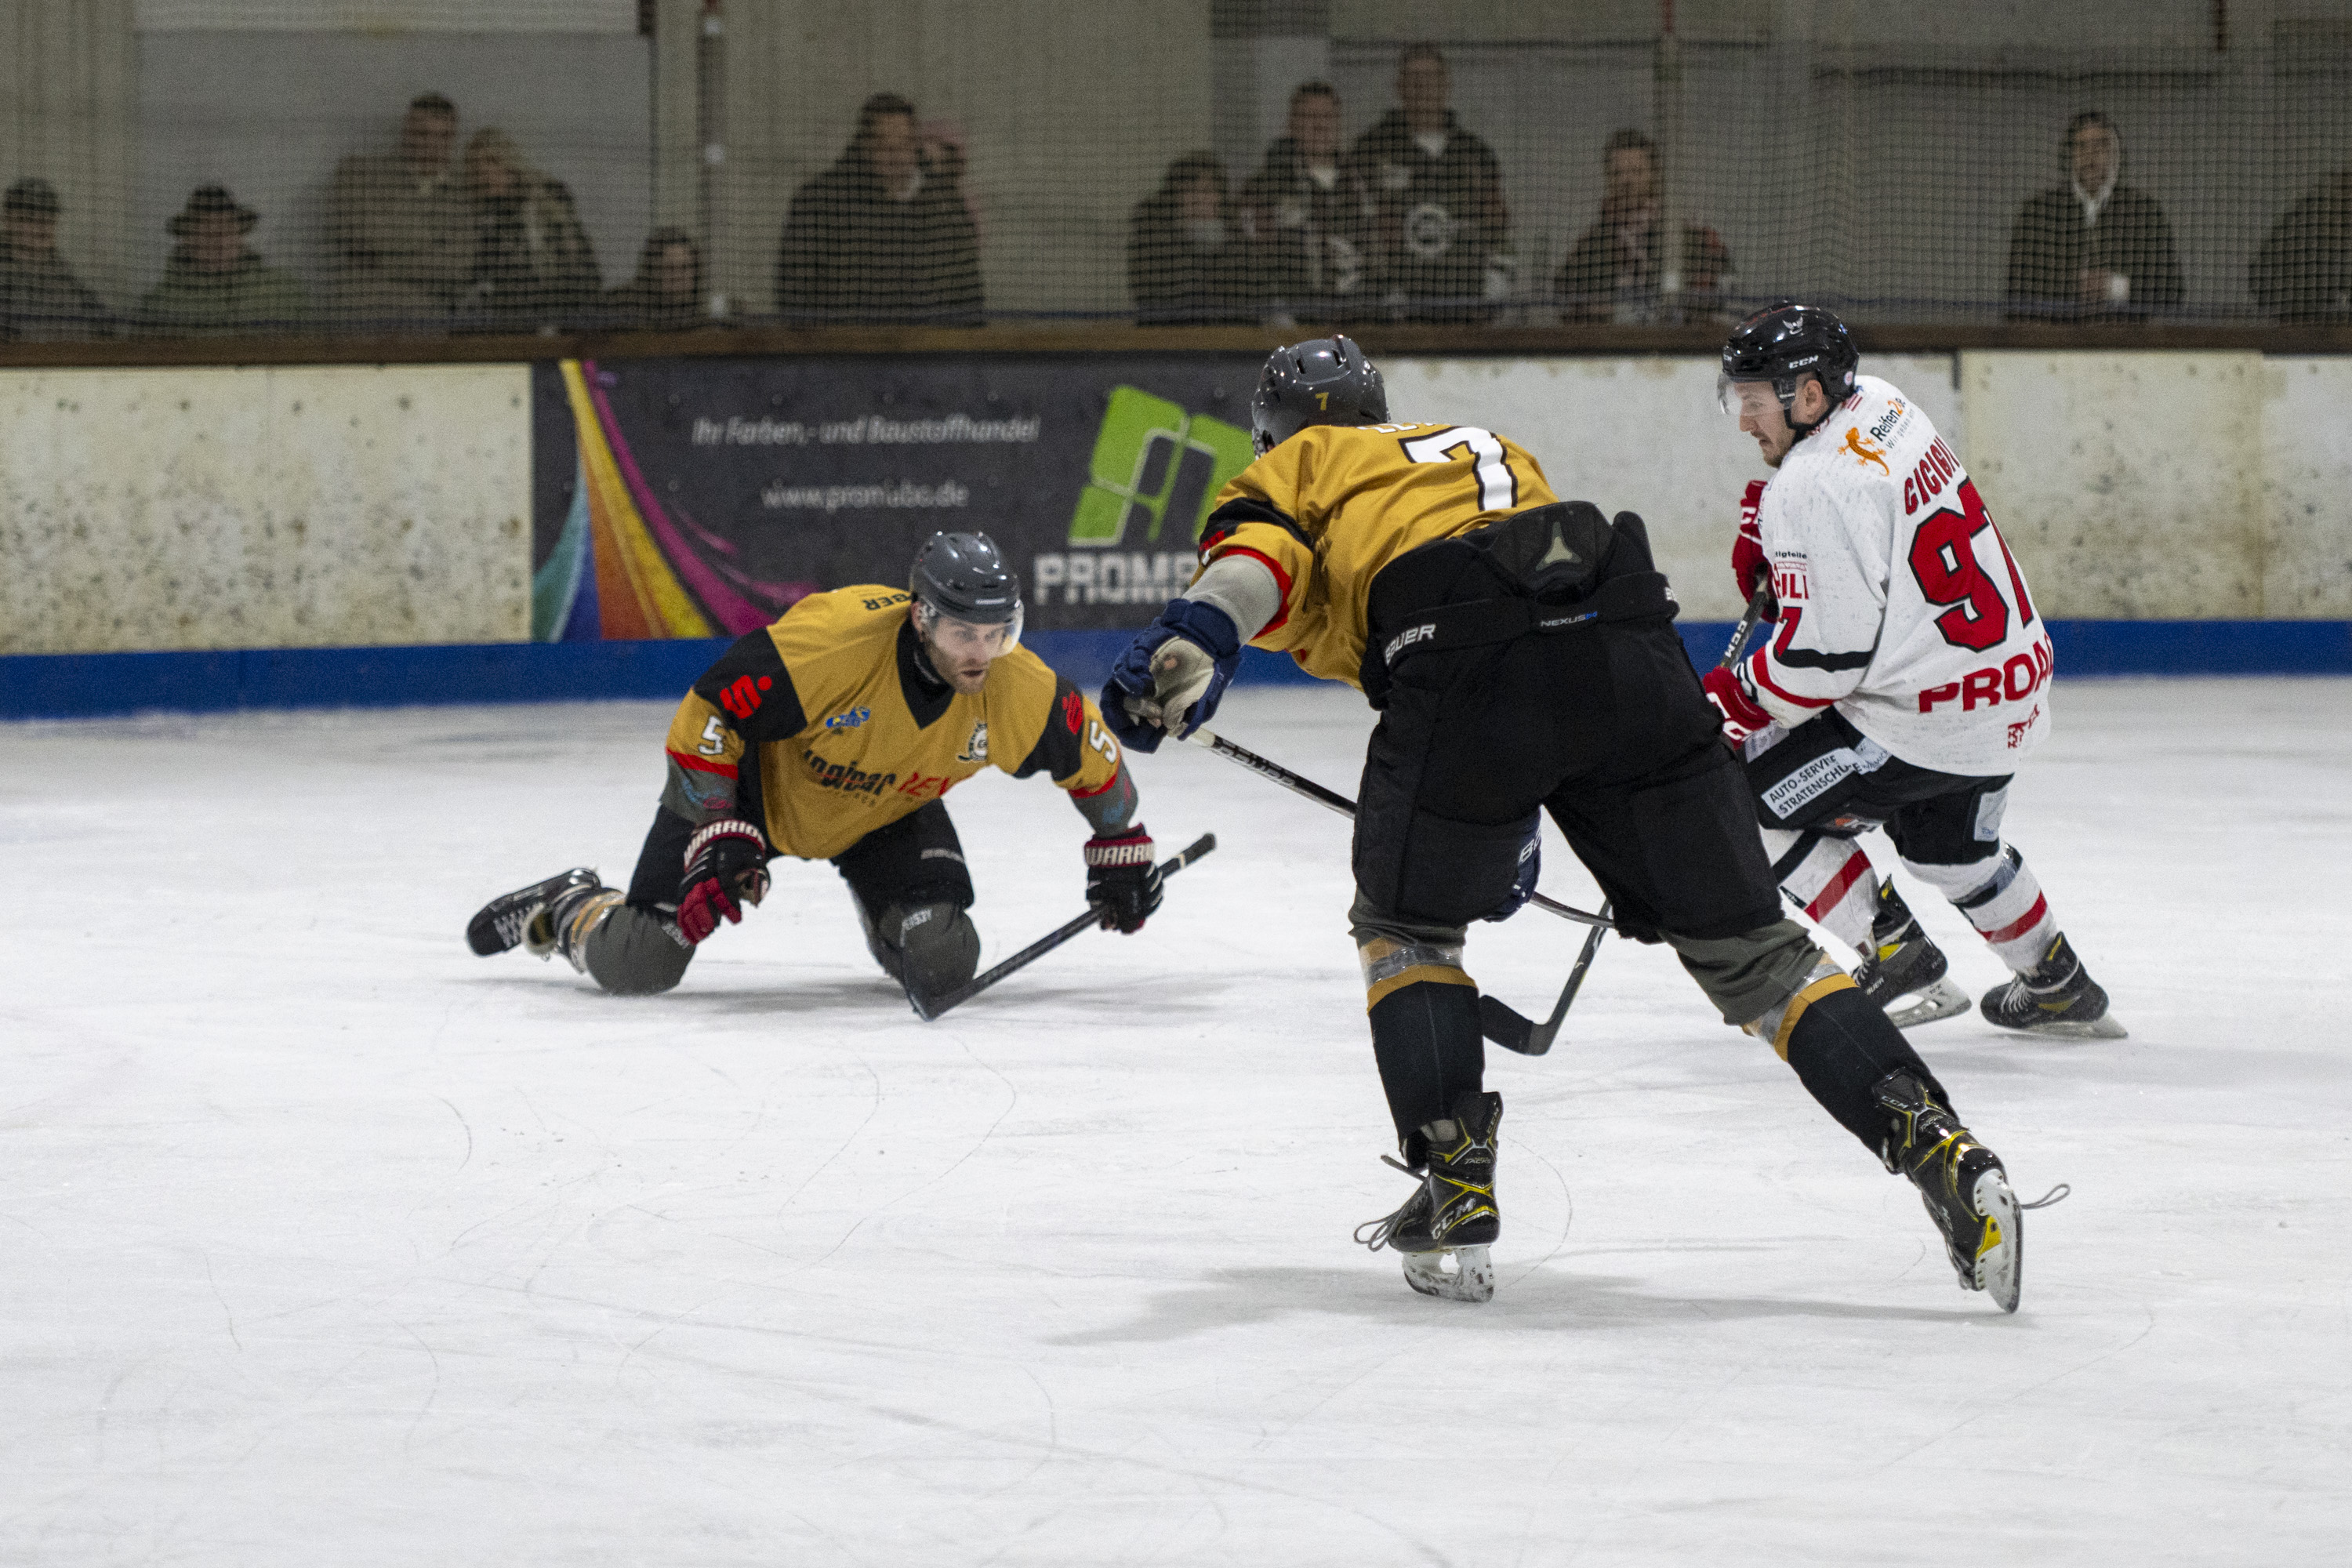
(271, 509)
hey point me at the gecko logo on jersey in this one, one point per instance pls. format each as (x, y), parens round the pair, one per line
(1406, 638)
(976, 749)
(740, 696)
(849, 721)
(1863, 452)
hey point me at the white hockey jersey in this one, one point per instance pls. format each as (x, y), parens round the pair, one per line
(1900, 604)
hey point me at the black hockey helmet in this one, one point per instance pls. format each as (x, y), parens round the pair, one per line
(1323, 381)
(963, 575)
(1783, 343)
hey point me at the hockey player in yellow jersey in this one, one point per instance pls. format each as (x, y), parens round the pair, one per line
(1522, 655)
(835, 734)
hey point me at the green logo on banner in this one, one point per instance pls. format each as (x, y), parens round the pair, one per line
(1154, 463)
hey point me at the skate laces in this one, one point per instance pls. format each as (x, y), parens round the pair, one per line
(1384, 1228)
(2054, 1195)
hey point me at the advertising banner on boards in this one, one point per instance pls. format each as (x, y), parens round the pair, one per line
(698, 497)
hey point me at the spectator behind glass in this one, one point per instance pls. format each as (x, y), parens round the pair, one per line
(1312, 218)
(1613, 272)
(41, 301)
(214, 285)
(533, 267)
(884, 235)
(666, 294)
(2094, 248)
(400, 237)
(2304, 270)
(1443, 224)
(1186, 259)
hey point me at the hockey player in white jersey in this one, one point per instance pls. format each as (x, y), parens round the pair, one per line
(1908, 675)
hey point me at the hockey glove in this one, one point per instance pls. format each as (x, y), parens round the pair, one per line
(1122, 879)
(1748, 563)
(725, 860)
(1523, 886)
(1170, 678)
(1741, 716)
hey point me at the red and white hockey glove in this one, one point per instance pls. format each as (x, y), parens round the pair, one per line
(1741, 716)
(1750, 565)
(1122, 879)
(725, 860)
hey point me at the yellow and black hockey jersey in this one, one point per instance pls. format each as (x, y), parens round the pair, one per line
(828, 721)
(1328, 507)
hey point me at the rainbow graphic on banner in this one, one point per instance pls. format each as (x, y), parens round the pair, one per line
(624, 566)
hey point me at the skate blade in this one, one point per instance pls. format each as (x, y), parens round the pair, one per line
(1471, 1277)
(2105, 1027)
(2001, 1259)
(1941, 1000)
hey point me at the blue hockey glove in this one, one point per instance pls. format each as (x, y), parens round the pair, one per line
(1170, 678)
(1523, 886)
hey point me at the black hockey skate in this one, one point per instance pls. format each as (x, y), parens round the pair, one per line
(1904, 961)
(1961, 1182)
(2058, 998)
(1451, 1215)
(507, 922)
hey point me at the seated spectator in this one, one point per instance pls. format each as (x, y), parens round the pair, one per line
(41, 301)
(884, 235)
(400, 238)
(1616, 270)
(2094, 248)
(666, 294)
(1186, 261)
(2304, 270)
(533, 267)
(1442, 221)
(214, 285)
(1312, 218)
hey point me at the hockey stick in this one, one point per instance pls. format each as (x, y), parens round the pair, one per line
(928, 1009)
(1333, 800)
(1505, 1027)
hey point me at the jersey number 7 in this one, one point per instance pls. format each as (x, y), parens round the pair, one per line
(1499, 487)
(1944, 562)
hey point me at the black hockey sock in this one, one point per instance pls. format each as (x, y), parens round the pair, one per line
(1426, 1037)
(1841, 1045)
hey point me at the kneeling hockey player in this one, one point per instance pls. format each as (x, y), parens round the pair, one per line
(1523, 657)
(835, 734)
(1908, 679)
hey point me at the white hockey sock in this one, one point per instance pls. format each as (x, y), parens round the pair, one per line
(2002, 898)
(1831, 878)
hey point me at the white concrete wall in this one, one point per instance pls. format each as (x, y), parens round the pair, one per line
(297, 508)
(2306, 469)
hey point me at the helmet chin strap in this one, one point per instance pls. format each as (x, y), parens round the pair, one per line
(1789, 406)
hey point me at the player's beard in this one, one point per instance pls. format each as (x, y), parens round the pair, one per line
(968, 675)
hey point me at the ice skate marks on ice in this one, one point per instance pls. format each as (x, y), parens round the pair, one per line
(1471, 1279)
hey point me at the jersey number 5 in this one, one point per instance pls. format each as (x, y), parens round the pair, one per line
(1943, 561)
(1499, 487)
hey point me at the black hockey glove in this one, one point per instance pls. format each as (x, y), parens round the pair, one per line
(725, 860)
(1122, 879)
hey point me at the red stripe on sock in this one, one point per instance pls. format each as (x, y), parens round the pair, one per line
(1856, 866)
(2023, 924)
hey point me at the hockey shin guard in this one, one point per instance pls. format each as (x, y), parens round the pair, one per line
(1425, 1039)
(2002, 898)
(1843, 1046)
(1831, 878)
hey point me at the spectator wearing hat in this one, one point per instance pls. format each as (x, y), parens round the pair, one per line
(400, 233)
(2093, 249)
(41, 301)
(214, 285)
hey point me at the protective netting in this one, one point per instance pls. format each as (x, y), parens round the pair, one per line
(241, 174)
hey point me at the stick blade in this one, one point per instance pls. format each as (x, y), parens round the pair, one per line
(1507, 1029)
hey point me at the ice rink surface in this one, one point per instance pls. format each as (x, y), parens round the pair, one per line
(328, 1242)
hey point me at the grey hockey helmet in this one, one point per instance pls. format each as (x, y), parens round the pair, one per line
(963, 577)
(1323, 381)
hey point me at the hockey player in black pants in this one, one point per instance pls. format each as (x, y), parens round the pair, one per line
(1523, 657)
(1908, 679)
